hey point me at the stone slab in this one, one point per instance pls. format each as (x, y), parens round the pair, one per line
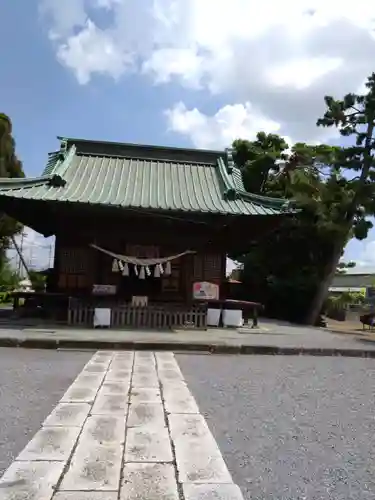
(94, 468)
(178, 399)
(91, 380)
(51, 444)
(102, 357)
(170, 374)
(104, 362)
(30, 480)
(145, 395)
(110, 404)
(103, 354)
(146, 414)
(121, 364)
(143, 356)
(191, 426)
(99, 360)
(166, 364)
(68, 415)
(212, 492)
(103, 430)
(118, 375)
(149, 481)
(115, 387)
(144, 368)
(145, 380)
(174, 384)
(79, 394)
(164, 357)
(145, 361)
(197, 463)
(148, 444)
(123, 355)
(95, 367)
(86, 495)
(198, 457)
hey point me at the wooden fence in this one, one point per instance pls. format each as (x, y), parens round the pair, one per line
(151, 316)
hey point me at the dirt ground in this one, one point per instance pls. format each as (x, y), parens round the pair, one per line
(348, 327)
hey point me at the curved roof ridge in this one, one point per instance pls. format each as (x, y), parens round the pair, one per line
(234, 188)
(52, 180)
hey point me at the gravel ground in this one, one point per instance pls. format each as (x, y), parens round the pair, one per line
(296, 428)
(31, 384)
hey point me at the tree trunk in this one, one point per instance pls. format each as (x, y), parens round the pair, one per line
(329, 273)
(340, 243)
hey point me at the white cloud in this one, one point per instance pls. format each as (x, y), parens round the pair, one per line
(64, 18)
(280, 58)
(92, 50)
(164, 63)
(218, 131)
(106, 4)
(301, 73)
(37, 251)
(363, 253)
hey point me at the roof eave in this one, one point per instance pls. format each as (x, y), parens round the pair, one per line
(231, 192)
(52, 180)
(75, 140)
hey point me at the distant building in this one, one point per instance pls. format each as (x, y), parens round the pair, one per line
(235, 275)
(354, 279)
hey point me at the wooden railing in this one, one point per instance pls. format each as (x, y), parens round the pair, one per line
(80, 315)
(151, 316)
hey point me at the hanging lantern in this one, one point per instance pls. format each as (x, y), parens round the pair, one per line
(148, 272)
(142, 275)
(125, 270)
(161, 270)
(115, 267)
(120, 265)
(136, 270)
(168, 268)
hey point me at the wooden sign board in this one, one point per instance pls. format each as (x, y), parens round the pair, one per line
(203, 290)
(104, 289)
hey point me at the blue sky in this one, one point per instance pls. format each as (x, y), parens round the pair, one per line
(191, 73)
(44, 99)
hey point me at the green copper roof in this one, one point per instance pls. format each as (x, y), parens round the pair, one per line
(78, 173)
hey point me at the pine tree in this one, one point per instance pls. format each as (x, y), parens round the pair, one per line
(10, 166)
(354, 169)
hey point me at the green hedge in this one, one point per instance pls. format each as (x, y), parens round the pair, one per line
(5, 297)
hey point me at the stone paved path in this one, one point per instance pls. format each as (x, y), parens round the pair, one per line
(128, 428)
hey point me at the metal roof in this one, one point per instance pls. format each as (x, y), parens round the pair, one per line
(169, 185)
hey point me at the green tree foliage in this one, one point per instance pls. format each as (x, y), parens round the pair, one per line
(259, 159)
(345, 299)
(9, 278)
(38, 280)
(282, 269)
(10, 166)
(291, 269)
(354, 117)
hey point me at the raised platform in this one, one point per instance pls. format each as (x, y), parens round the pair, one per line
(270, 340)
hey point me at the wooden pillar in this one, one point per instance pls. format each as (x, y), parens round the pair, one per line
(223, 289)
